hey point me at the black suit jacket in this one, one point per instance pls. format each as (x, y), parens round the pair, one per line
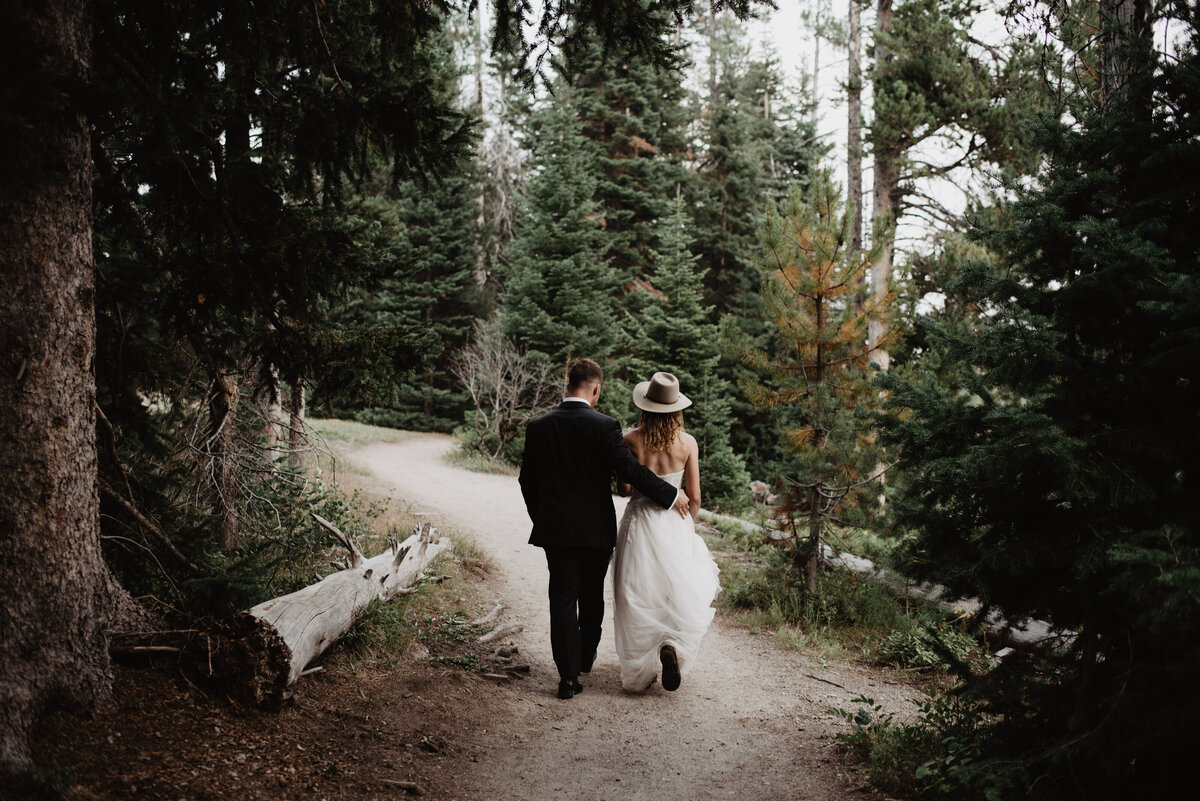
(570, 456)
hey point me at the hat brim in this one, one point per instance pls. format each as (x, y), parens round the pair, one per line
(642, 402)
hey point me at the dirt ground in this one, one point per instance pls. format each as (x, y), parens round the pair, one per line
(750, 722)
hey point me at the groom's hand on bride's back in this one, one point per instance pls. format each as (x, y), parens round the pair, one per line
(683, 504)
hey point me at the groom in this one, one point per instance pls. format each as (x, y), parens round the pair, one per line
(571, 454)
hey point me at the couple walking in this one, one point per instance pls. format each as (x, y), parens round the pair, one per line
(663, 577)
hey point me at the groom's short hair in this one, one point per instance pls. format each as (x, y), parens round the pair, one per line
(584, 371)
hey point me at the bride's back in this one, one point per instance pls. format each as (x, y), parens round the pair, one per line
(672, 459)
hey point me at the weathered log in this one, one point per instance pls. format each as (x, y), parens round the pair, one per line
(260, 654)
(1025, 633)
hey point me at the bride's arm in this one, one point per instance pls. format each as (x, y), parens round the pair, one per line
(691, 475)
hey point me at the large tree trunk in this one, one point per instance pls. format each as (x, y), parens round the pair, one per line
(883, 212)
(260, 654)
(57, 597)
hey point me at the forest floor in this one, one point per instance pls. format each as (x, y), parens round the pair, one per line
(752, 721)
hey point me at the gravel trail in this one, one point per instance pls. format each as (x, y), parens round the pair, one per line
(749, 722)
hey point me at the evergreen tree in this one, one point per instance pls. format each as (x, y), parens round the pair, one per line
(225, 143)
(560, 295)
(934, 82)
(633, 114)
(680, 338)
(813, 374)
(1054, 478)
(634, 120)
(754, 142)
(427, 279)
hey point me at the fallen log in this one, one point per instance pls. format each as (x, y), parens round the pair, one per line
(258, 655)
(1024, 633)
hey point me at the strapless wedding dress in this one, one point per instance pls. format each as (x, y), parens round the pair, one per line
(664, 582)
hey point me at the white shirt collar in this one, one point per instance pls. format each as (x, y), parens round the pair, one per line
(572, 398)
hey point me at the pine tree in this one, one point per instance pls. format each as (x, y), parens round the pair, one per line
(680, 338)
(223, 225)
(560, 291)
(755, 141)
(1054, 478)
(426, 278)
(933, 81)
(813, 375)
(633, 118)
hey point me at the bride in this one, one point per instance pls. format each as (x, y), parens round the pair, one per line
(663, 577)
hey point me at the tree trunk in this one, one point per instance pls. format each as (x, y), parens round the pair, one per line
(854, 129)
(297, 439)
(261, 654)
(1122, 22)
(885, 193)
(274, 422)
(223, 459)
(814, 541)
(57, 598)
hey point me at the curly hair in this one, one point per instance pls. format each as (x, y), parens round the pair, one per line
(658, 429)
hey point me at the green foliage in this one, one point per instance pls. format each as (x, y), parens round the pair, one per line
(813, 373)
(640, 29)
(426, 281)
(560, 294)
(933, 80)
(680, 338)
(941, 754)
(384, 629)
(755, 137)
(928, 646)
(843, 601)
(1048, 458)
(289, 549)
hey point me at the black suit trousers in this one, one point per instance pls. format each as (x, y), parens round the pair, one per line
(576, 604)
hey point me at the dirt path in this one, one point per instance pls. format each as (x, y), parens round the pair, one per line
(749, 722)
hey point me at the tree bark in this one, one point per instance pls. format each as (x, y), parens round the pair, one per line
(260, 654)
(854, 129)
(1122, 22)
(814, 541)
(57, 598)
(223, 456)
(297, 439)
(274, 422)
(883, 212)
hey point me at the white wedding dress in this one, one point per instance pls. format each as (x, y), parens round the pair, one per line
(664, 582)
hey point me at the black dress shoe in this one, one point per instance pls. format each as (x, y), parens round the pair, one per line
(670, 667)
(569, 688)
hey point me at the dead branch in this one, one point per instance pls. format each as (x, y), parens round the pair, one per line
(356, 557)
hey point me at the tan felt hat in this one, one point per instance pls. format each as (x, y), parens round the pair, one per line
(660, 394)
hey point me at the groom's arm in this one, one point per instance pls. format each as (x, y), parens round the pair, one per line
(528, 478)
